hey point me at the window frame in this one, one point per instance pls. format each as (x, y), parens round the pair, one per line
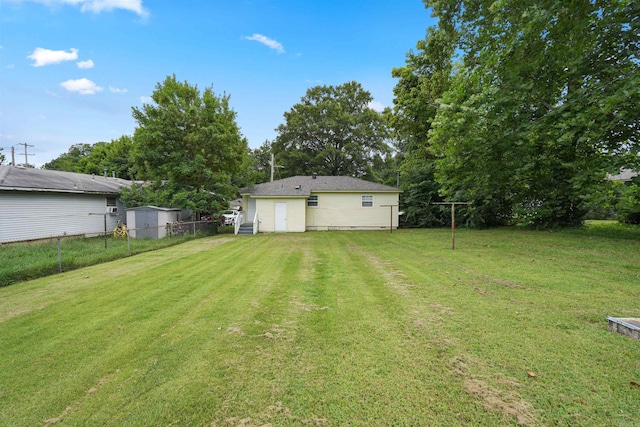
(366, 203)
(310, 201)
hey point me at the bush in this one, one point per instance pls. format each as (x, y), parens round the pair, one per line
(628, 206)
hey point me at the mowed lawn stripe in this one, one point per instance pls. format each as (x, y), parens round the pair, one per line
(113, 324)
(337, 328)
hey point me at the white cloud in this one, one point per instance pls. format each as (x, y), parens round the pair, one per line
(146, 99)
(82, 86)
(270, 43)
(116, 90)
(85, 65)
(97, 6)
(43, 56)
(377, 106)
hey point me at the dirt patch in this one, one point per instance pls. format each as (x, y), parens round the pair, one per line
(59, 418)
(426, 317)
(505, 402)
(395, 280)
(234, 330)
(504, 399)
(284, 331)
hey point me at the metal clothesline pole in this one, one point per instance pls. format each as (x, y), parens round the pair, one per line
(453, 219)
(390, 216)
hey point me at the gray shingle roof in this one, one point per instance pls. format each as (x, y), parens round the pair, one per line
(14, 178)
(303, 186)
(625, 175)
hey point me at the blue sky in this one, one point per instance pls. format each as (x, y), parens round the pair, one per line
(70, 70)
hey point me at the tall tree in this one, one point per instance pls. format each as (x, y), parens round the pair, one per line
(2, 158)
(115, 156)
(331, 131)
(191, 140)
(422, 81)
(546, 102)
(71, 161)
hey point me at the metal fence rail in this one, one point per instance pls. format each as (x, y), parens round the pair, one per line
(24, 260)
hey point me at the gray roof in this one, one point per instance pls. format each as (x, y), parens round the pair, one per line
(625, 175)
(303, 186)
(153, 208)
(14, 178)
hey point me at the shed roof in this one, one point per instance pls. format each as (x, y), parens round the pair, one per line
(303, 186)
(14, 178)
(152, 208)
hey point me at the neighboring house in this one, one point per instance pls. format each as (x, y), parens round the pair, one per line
(625, 175)
(302, 203)
(38, 203)
(235, 204)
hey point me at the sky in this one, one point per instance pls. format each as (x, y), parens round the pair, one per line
(71, 70)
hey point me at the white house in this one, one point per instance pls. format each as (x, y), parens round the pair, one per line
(38, 203)
(303, 203)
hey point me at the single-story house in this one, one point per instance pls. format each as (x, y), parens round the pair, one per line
(38, 203)
(302, 203)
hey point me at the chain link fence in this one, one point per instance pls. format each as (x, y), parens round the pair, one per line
(32, 259)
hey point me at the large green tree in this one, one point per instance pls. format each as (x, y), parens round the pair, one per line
(189, 141)
(422, 82)
(71, 161)
(331, 131)
(115, 156)
(545, 102)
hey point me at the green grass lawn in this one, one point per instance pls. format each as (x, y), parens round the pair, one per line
(335, 329)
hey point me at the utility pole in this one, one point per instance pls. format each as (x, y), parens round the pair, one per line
(273, 166)
(26, 158)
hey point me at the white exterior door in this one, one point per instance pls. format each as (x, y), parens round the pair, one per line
(280, 217)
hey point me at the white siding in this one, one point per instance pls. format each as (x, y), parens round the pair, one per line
(295, 214)
(344, 211)
(33, 215)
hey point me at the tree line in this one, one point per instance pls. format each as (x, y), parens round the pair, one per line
(521, 108)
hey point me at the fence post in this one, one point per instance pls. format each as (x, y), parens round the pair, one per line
(59, 257)
(128, 244)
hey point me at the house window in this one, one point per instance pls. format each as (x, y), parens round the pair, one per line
(111, 201)
(367, 201)
(312, 201)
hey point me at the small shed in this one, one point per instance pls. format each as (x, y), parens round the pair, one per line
(150, 221)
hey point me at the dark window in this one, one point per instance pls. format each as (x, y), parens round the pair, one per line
(312, 201)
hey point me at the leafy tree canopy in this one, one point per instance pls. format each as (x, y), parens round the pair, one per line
(417, 96)
(331, 131)
(543, 104)
(115, 156)
(190, 141)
